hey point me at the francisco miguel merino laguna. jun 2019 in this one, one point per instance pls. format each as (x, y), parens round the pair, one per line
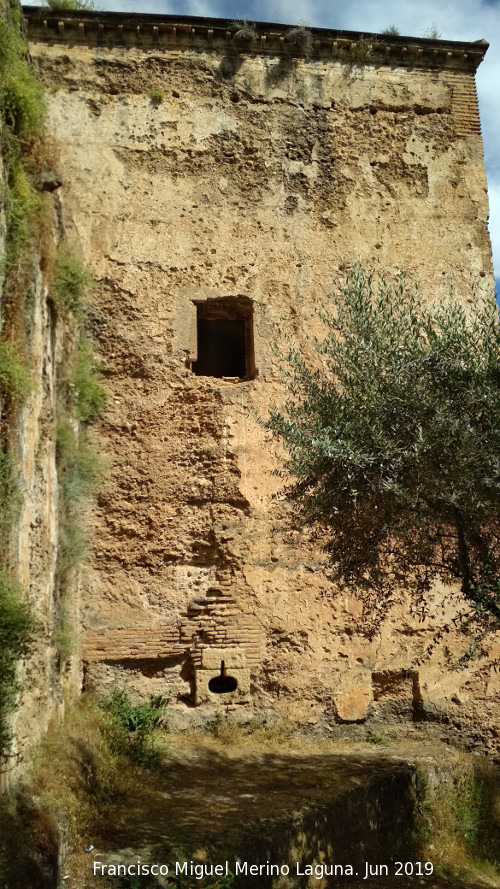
(200, 870)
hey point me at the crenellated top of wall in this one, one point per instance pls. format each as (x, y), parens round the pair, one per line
(193, 32)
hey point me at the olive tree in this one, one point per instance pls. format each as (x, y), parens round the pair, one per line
(391, 429)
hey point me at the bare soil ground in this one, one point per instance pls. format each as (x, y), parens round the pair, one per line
(210, 802)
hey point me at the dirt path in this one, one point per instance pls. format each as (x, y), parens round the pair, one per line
(207, 804)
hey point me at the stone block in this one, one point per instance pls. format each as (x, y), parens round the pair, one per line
(203, 695)
(352, 703)
(234, 658)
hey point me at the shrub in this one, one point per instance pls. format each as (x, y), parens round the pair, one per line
(244, 32)
(156, 97)
(16, 626)
(131, 726)
(300, 40)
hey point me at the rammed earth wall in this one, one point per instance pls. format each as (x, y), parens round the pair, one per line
(202, 172)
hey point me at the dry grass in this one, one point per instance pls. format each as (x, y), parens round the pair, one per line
(78, 783)
(280, 736)
(82, 786)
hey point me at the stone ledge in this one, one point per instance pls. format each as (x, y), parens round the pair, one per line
(191, 32)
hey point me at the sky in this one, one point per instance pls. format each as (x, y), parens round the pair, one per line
(466, 20)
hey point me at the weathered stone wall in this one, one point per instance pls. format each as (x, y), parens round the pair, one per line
(252, 177)
(29, 435)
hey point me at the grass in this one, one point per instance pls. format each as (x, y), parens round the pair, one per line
(89, 395)
(8, 491)
(80, 472)
(76, 773)
(85, 771)
(80, 468)
(72, 282)
(378, 738)
(22, 207)
(63, 635)
(461, 818)
(15, 378)
(87, 776)
(21, 95)
(16, 625)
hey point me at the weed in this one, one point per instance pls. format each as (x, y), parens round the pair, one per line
(254, 732)
(131, 726)
(79, 467)
(431, 33)
(72, 282)
(377, 738)
(22, 207)
(16, 626)
(156, 97)
(62, 635)
(80, 472)
(10, 499)
(357, 54)
(21, 96)
(300, 40)
(90, 397)
(244, 32)
(7, 486)
(84, 5)
(76, 775)
(15, 379)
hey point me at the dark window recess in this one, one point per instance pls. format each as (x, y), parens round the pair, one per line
(222, 684)
(225, 339)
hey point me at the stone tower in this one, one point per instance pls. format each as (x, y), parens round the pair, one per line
(214, 181)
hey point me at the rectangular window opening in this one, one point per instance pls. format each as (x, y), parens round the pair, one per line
(224, 329)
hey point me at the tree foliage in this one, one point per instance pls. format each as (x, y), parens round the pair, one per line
(392, 434)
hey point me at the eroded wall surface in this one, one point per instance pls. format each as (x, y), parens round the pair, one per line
(28, 443)
(253, 177)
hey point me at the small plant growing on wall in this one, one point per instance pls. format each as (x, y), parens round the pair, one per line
(16, 625)
(300, 40)
(72, 281)
(244, 32)
(156, 97)
(84, 5)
